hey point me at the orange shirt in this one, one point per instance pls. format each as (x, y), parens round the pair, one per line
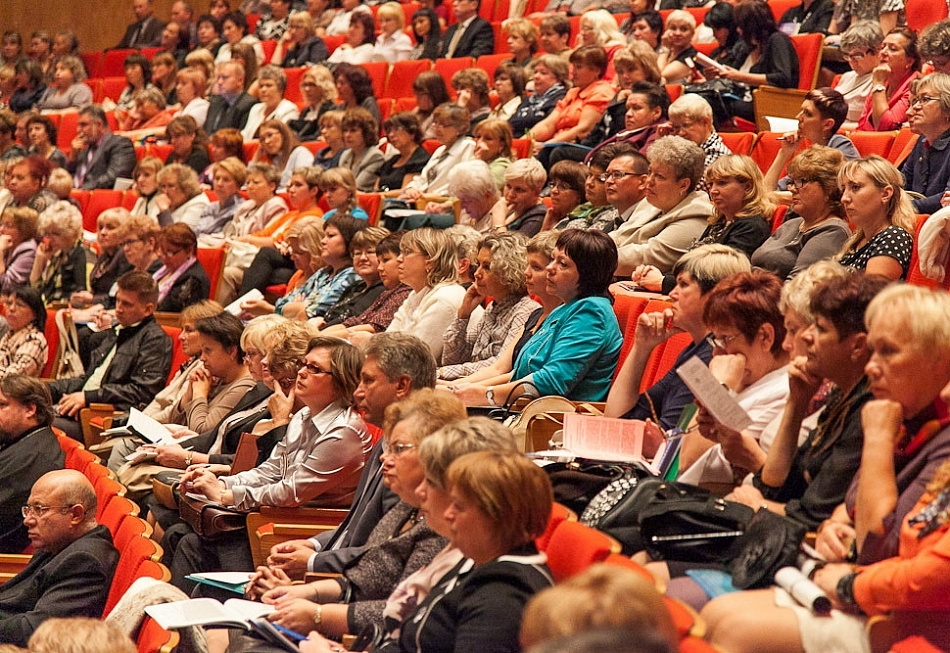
(277, 229)
(598, 95)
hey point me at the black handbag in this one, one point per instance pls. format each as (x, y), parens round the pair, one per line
(770, 542)
(576, 483)
(616, 509)
(687, 523)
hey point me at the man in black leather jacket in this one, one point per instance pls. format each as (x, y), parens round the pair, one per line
(131, 363)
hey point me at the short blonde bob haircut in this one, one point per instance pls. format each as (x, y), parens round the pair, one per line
(925, 313)
(437, 248)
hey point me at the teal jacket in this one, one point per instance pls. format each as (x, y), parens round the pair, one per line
(575, 352)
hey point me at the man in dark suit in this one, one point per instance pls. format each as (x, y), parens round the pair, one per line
(396, 365)
(71, 572)
(129, 366)
(471, 36)
(146, 31)
(97, 157)
(28, 449)
(231, 106)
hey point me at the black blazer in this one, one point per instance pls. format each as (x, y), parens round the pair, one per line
(72, 583)
(151, 36)
(477, 40)
(311, 51)
(115, 158)
(220, 115)
(190, 288)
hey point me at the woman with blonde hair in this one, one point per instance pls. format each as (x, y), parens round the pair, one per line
(229, 177)
(145, 183)
(640, 62)
(300, 45)
(190, 88)
(18, 229)
(522, 36)
(603, 596)
(392, 44)
(331, 133)
(678, 39)
(319, 94)
(202, 61)
(599, 27)
(818, 229)
(743, 218)
(882, 215)
(493, 146)
(428, 265)
(339, 189)
(521, 208)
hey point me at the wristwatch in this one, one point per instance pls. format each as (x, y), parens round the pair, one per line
(845, 592)
(490, 396)
(878, 88)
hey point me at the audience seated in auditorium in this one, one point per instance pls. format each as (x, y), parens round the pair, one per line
(97, 157)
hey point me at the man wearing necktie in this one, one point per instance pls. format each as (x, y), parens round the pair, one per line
(231, 105)
(471, 36)
(146, 31)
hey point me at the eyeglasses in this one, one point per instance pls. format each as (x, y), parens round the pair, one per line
(399, 448)
(680, 127)
(919, 101)
(38, 511)
(856, 56)
(130, 242)
(798, 183)
(310, 368)
(617, 175)
(721, 342)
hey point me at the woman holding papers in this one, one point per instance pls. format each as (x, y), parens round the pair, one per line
(898, 503)
(747, 331)
(697, 273)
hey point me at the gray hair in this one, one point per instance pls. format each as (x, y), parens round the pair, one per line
(926, 315)
(443, 447)
(558, 67)
(472, 179)
(64, 215)
(275, 74)
(691, 107)
(529, 170)
(402, 354)
(866, 34)
(685, 157)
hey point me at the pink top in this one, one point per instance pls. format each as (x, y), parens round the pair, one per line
(896, 114)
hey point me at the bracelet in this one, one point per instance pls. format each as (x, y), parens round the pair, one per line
(845, 592)
(318, 617)
(188, 458)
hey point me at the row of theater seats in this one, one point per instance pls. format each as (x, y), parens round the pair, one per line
(139, 555)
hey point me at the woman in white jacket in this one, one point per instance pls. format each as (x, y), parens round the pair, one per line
(428, 264)
(271, 85)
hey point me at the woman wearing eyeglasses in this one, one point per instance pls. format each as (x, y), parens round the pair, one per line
(860, 47)
(928, 166)
(818, 229)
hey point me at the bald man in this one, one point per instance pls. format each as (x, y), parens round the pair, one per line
(72, 569)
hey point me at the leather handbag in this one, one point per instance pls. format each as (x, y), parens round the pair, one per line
(209, 519)
(770, 542)
(688, 523)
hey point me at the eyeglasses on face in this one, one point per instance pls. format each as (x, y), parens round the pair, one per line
(310, 368)
(398, 449)
(920, 100)
(617, 175)
(721, 342)
(37, 510)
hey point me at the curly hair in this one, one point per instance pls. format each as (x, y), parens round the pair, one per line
(509, 258)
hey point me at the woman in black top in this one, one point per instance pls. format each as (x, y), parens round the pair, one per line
(743, 211)
(404, 133)
(773, 58)
(428, 34)
(189, 144)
